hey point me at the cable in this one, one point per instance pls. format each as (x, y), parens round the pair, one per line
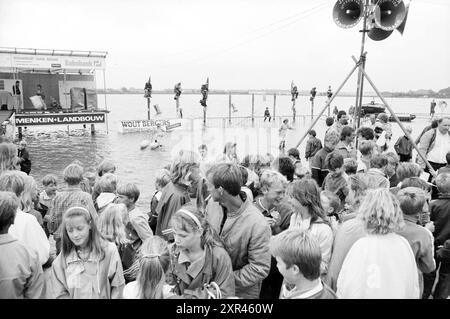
(305, 14)
(248, 32)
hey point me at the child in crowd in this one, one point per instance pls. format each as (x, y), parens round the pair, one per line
(404, 146)
(332, 206)
(162, 177)
(111, 224)
(137, 228)
(107, 186)
(50, 184)
(412, 200)
(21, 273)
(154, 263)
(350, 166)
(88, 267)
(336, 181)
(313, 145)
(298, 258)
(200, 266)
(367, 149)
(310, 216)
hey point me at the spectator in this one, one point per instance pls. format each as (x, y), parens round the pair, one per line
(313, 145)
(242, 228)
(298, 257)
(404, 146)
(72, 196)
(381, 264)
(24, 157)
(378, 166)
(319, 168)
(412, 201)
(21, 273)
(25, 227)
(344, 147)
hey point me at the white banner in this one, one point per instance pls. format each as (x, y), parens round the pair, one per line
(11, 60)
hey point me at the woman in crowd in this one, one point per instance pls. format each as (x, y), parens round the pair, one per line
(381, 264)
(200, 265)
(175, 194)
(88, 266)
(8, 157)
(309, 215)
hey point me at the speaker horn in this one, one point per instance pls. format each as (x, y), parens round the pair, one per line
(347, 13)
(401, 27)
(377, 34)
(389, 14)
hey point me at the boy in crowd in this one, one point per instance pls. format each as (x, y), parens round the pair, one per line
(404, 146)
(412, 201)
(313, 145)
(162, 178)
(46, 196)
(24, 157)
(138, 227)
(298, 259)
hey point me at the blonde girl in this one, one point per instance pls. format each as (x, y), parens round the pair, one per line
(154, 262)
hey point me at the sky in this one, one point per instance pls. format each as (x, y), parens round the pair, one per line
(238, 44)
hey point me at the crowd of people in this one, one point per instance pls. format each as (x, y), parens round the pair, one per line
(347, 222)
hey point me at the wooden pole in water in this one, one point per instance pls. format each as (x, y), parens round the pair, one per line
(148, 108)
(253, 109)
(20, 133)
(312, 109)
(229, 108)
(204, 115)
(274, 105)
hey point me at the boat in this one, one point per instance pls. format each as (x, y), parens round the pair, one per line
(377, 108)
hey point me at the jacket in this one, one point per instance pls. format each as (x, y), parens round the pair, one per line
(21, 273)
(172, 198)
(440, 215)
(321, 291)
(68, 281)
(344, 151)
(319, 169)
(313, 145)
(216, 267)
(246, 236)
(403, 146)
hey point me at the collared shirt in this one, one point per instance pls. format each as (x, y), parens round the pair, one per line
(69, 197)
(21, 273)
(193, 268)
(293, 293)
(440, 149)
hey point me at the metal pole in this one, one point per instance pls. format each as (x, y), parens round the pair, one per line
(432, 171)
(362, 60)
(229, 108)
(253, 109)
(106, 107)
(274, 105)
(327, 104)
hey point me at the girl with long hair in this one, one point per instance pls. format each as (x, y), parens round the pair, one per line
(154, 262)
(88, 267)
(200, 266)
(111, 224)
(310, 216)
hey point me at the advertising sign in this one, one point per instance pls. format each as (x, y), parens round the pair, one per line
(59, 118)
(50, 61)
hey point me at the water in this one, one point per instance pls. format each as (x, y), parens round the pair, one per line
(51, 148)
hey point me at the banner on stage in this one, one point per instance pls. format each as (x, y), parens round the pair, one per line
(59, 118)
